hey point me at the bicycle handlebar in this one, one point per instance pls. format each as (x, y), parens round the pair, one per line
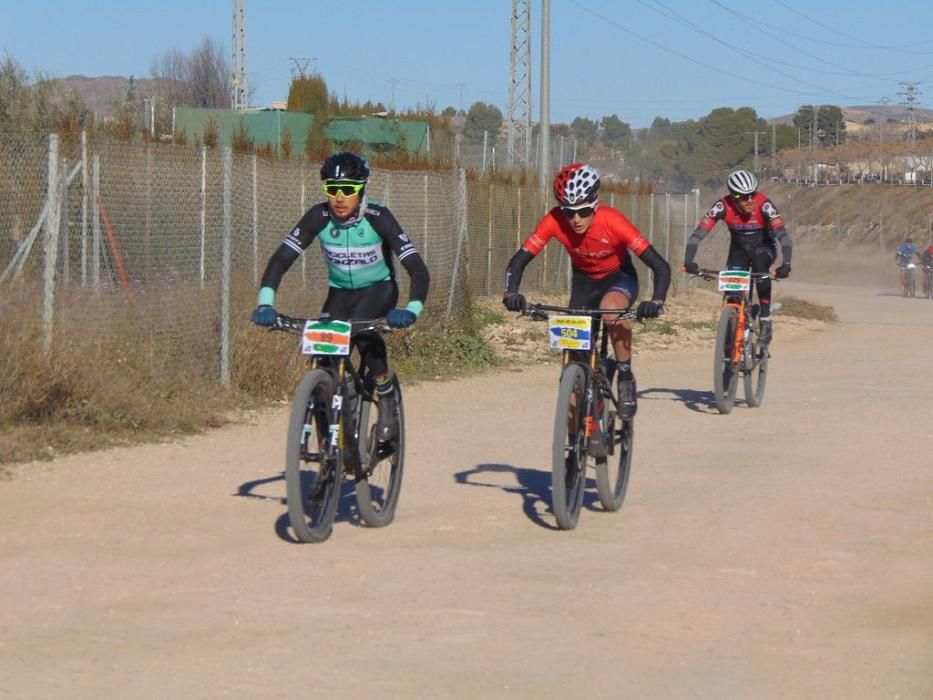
(714, 274)
(539, 312)
(294, 324)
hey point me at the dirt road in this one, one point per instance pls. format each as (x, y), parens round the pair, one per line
(779, 552)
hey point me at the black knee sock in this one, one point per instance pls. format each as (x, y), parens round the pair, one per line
(624, 371)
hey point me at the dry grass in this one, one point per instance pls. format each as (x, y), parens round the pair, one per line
(800, 308)
(130, 369)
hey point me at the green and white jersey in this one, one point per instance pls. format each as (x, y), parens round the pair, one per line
(358, 252)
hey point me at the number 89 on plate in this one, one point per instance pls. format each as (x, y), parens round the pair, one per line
(569, 332)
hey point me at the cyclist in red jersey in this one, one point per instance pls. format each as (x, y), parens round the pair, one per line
(756, 228)
(598, 239)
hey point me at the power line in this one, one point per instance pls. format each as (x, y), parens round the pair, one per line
(749, 55)
(756, 25)
(690, 59)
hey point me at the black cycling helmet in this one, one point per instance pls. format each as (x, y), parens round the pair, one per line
(345, 166)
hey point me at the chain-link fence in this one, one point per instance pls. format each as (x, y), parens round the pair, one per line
(167, 243)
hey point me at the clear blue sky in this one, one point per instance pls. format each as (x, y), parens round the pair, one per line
(634, 58)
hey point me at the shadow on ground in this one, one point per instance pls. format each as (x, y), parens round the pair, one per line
(699, 401)
(346, 509)
(533, 485)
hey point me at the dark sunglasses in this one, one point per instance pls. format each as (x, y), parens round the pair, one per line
(583, 212)
(744, 197)
(346, 189)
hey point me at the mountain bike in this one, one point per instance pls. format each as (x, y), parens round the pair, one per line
(738, 349)
(908, 285)
(332, 431)
(587, 427)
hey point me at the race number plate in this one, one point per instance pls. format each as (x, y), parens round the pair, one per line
(326, 338)
(735, 281)
(569, 332)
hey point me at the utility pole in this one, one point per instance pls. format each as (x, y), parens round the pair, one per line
(773, 149)
(813, 129)
(301, 66)
(239, 82)
(393, 82)
(910, 93)
(519, 123)
(755, 133)
(882, 115)
(544, 165)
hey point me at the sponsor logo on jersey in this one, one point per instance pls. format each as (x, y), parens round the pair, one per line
(717, 209)
(353, 257)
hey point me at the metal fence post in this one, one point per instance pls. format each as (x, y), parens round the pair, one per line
(651, 226)
(255, 224)
(461, 237)
(84, 207)
(52, 227)
(225, 268)
(95, 221)
(489, 245)
(425, 247)
(684, 248)
(301, 212)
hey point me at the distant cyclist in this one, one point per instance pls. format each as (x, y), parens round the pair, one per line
(598, 239)
(756, 228)
(905, 251)
(926, 257)
(358, 239)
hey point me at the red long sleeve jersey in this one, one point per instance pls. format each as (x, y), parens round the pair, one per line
(747, 230)
(598, 252)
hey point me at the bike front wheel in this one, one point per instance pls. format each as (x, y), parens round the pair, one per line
(378, 491)
(725, 370)
(755, 371)
(612, 473)
(568, 466)
(313, 467)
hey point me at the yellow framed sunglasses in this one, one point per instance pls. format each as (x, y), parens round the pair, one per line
(347, 189)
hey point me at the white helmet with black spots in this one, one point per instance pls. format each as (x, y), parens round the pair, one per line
(742, 182)
(575, 184)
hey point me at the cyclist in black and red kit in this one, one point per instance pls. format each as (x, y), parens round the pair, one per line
(756, 228)
(598, 239)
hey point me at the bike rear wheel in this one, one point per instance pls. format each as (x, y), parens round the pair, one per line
(378, 492)
(725, 370)
(755, 374)
(312, 468)
(612, 473)
(568, 466)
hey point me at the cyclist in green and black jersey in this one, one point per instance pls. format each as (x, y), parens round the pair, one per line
(358, 239)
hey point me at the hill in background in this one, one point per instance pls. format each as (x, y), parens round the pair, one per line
(102, 94)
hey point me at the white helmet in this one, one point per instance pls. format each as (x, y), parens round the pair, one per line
(742, 182)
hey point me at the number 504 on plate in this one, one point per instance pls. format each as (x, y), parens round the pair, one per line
(569, 332)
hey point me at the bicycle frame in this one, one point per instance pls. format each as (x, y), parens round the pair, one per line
(593, 356)
(738, 300)
(343, 419)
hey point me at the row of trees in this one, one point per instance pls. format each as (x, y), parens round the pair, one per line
(678, 155)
